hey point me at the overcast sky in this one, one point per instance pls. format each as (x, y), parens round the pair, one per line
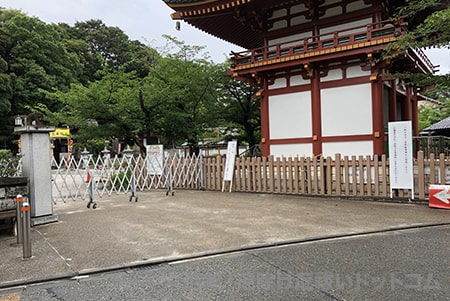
(147, 21)
(144, 20)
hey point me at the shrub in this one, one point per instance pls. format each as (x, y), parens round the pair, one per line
(121, 178)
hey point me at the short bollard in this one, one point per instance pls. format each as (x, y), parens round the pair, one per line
(19, 218)
(26, 230)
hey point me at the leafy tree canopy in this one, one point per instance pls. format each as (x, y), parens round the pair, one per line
(429, 26)
(33, 60)
(240, 108)
(102, 85)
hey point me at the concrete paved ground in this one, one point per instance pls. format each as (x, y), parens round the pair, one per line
(161, 228)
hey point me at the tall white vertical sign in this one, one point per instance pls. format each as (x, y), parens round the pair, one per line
(155, 159)
(401, 163)
(229, 163)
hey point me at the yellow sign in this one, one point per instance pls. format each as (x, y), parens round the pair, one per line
(60, 133)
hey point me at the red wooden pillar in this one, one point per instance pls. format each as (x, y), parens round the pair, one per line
(377, 117)
(316, 111)
(415, 113)
(265, 133)
(407, 111)
(393, 101)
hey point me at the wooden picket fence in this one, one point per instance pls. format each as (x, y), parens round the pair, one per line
(341, 176)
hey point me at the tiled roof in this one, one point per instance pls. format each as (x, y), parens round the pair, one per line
(232, 20)
(219, 18)
(441, 125)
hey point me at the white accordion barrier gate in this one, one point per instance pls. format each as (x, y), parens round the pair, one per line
(91, 177)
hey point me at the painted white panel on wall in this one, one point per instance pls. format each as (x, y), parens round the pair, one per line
(328, 2)
(278, 83)
(333, 11)
(334, 74)
(279, 25)
(290, 115)
(290, 38)
(353, 6)
(298, 9)
(278, 14)
(298, 80)
(291, 150)
(301, 19)
(343, 26)
(355, 71)
(350, 148)
(346, 110)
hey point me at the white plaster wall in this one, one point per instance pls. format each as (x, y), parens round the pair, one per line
(333, 74)
(353, 6)
(328, 2)
(358, 23)
(290, 38)
(298, 9)
(278, 83)
(348, 148)
(298, 20)
(290, 115)
(298, 80)
(279, 25)
(355, 71)
(332, 11)
(291, 150)
(278, 13)
(346, 110)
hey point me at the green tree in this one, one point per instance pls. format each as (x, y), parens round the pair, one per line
(114, 69)
(105, 109)
(185, 85)
(99, 46)
(33, 60)
(428, 26)
(428, 22)
(239, 106)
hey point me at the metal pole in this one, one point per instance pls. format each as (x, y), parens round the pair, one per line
(170, 182)
(90, 181)
(26, 230)
(133, 188)
(133, 184)
(91, 193)
(19, 218)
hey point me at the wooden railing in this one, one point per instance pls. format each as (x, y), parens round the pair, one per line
(344, 37)
(360, 177)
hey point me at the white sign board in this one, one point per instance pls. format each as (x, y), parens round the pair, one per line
(400, 156)
(230, 159)
(155, 159)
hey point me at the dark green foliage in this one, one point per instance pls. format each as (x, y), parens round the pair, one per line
(240, 108)
(122, 179)
(93, 79)
(33, 60)
(429, 26)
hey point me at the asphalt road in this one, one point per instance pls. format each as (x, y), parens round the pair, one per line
(395, 265)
